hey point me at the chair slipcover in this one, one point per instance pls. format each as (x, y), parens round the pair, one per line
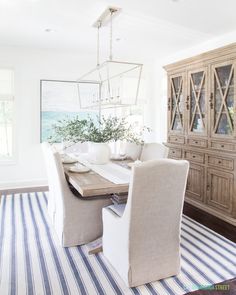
(144, 244)
(76, 221)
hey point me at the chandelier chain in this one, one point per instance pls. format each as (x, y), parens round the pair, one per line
(98, 43)
(111, 33)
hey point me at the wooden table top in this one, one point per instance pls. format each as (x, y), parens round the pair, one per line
(92, 184)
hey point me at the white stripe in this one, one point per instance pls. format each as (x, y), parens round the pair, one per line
(22, 278)
(211, 243)
(217, 237)
(6, 251)
(101, 276)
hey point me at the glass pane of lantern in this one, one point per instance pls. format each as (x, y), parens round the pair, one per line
(119, 84)
(88, 94)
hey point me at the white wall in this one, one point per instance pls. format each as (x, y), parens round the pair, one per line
(30, 66)
(161, 93)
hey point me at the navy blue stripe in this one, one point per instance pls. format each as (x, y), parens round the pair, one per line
(43, 266)
(45, 198)
(2, 225)
(70, 258)
(135, 290)
(181, 284)
(13, 278)
(210, 256)
(151, 289)
(203, 274)
(211, 232)
(209, 238)
(108, 275)
(91, 272)
(203, 262)
(28, 265)
(53, 251)
(190, 277)
(167, 287)
(76, 273)
(208, 246)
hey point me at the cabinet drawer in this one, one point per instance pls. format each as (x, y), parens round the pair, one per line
(221, 162)
(175, 153)
(197, 142)
(223, 146)
(176, 139)
(195, 157)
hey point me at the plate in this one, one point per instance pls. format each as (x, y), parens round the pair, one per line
(117, 157)
(81, 169)
(68, 161)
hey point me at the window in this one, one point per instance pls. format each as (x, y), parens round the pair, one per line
(6, 113)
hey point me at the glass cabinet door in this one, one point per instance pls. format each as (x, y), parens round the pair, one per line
(222, 100)
(176, 104)
(196, 102)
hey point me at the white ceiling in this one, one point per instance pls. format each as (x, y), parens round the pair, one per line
(145, 28)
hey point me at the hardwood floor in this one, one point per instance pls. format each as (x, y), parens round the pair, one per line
(225, 229)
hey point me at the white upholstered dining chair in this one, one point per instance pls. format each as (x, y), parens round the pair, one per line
(51, 200)
(153, 151)
(143, 244)
(75, 220)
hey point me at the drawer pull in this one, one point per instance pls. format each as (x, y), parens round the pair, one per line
(222, 146)
(176, 139)
(219, 162)
(194, 156)
(173, 152)
(208, 187)
(196, 142)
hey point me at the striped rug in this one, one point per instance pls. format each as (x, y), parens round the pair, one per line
(32, 262)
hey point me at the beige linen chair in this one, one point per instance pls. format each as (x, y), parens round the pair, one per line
(143, 245)
(154, 151)
(51, 200)
(76, 221)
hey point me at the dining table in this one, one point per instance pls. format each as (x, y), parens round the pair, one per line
(93, 183)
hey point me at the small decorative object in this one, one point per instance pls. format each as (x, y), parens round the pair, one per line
(98, 133)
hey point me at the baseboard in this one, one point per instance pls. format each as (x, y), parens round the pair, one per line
(23, 186)
(23, 190)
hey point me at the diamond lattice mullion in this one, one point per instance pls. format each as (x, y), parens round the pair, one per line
(195, 107)
(223, 102)
(197, 98)
(222, 105)
(177, 98)
(225, 97)
(174, 111)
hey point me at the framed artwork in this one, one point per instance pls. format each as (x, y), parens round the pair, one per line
(59, 100)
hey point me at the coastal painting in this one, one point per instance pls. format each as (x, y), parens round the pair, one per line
(59, 100)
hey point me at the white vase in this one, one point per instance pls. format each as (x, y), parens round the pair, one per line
(99, 153)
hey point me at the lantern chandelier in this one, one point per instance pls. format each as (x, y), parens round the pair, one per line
(112, 83)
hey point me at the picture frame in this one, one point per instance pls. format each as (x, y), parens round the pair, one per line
(59, 100)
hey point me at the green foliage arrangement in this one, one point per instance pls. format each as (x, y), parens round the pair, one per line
(100, 130)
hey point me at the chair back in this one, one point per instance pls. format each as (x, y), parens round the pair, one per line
(153, 151)
(154, 211)
(51, 200)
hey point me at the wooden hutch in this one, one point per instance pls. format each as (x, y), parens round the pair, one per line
(202, 128)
